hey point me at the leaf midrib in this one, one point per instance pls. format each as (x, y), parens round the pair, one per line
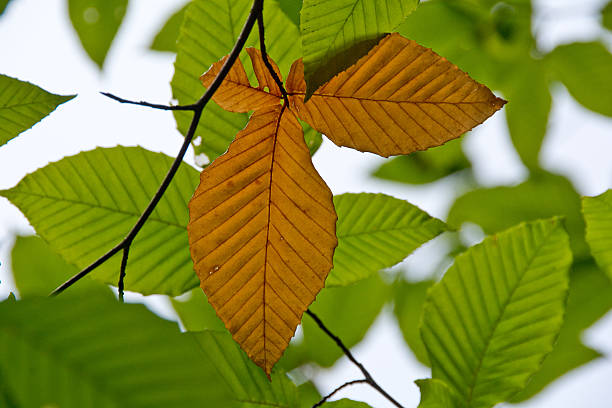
(93, 206)
(499, 318)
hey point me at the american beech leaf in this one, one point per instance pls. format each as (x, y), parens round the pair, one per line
(399, 98)
(262, 233)
(597, 213)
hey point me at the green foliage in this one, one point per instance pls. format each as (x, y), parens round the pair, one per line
(436, 394)
(39, 275)
(166, 38)
(590, 298)
(606, 16)
(426, 166)
(409, 299)
(376, 231)
(544, 195)
(598, 215)
(247, 382)
(22, 105)
(584, 69)
(196, 313)
(99, 353)
(346, 403)
(3, 4)
(85, 204)
(335, 34)
(497, 312)
(337, 307)
(96, 23)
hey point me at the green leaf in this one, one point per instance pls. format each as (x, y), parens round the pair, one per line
(248, 383)
(312, 137)
(346, 403)
(39, 275)
(100, 353)
(590, 298)
(376, 231)
(3, 4)
(96, 23)
(337, 308)
(166, 38)
(7, 400)
(606, 16)
(598, 216)
(528, 110)
(336, 33)
(292, 9)
(22, 105)
(497, 312)
(409, 299)
(584, 69)
(542, 196)
(196, 313)
(436, 394)
(425, 167)
(84, 205)
(201, 44)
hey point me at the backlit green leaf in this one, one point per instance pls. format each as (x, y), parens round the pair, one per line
(22, 105)
(210, 29)
(590, 298)
(248, 383)
(425, 166)
(166, 38)
(497, 312)
(338, 308)
(3, 4)
(336, 33)
(436, 394)
(606, 16)
(409, 299)
(196, 313)
(100, 353)
(96, 23)
(598, 216)
(544, 195)
(376, 231)
(584, 69)
(346, 403)
(39, 275)
(84, 205)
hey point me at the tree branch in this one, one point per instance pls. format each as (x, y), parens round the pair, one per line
(347, 352)
(331, 394)
(198, 107)
(191, 107)
(124, 260)
(264, 54)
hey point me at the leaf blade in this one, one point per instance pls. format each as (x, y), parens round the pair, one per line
(484, 324)
(22, 105)
(399, 98)
(243, 231)
(598, 216)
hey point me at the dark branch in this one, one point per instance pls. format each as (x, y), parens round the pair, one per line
(347, 352)
(197, 113)
(191, 107)
(124, 261)
(264, 54)
(331, 394)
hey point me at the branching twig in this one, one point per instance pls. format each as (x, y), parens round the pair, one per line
(264, 55)
(191, 107)
(124, 260)
(197, 113)
(347, 352)
(331, 394)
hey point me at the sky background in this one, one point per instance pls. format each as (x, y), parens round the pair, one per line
(38, 44)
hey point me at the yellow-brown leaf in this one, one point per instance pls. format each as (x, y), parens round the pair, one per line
(262, 233)
(236, 93)
(399, 98)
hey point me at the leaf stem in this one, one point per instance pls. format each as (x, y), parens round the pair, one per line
(264, 54)
(124, 261)
(347, 352)
(331, 394)
(198, 107)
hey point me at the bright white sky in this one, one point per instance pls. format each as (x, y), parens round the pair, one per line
(37, 44)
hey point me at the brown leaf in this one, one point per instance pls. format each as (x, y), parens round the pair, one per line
(399, 98)
(236, 93)
(262, 233)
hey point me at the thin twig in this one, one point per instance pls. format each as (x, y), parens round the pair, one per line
(191, 107)
(264, 54)
(331, 394)
(197, 113)
(347, 352)
(124, 261)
